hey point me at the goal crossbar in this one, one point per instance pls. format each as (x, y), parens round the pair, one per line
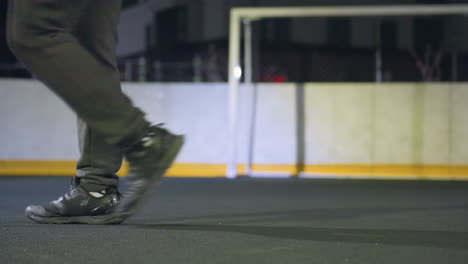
(321, 11)
(238, 14)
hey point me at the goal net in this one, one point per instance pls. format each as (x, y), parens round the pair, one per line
(430, 52)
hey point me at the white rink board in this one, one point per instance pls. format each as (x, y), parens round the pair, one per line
(344, 123)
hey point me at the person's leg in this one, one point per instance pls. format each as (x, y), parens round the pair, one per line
(42, 36)
(97, 33)
(45, 37)
(99, 162)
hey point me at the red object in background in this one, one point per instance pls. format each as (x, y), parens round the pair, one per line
(278, 78)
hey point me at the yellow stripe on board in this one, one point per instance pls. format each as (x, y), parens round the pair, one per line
(384, 171)
(37, 167)
(67, 167)
(392, 170)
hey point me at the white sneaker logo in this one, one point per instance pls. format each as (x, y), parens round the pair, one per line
(97, 194)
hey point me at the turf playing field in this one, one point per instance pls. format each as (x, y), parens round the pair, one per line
(250, 221)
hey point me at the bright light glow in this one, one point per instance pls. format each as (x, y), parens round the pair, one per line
(237, 72)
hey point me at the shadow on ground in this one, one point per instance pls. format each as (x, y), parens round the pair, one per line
(437, 239)
(278, 227)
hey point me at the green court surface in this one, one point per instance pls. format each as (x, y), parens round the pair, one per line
(250, 221)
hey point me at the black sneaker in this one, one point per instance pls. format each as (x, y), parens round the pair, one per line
(77, 206)
(148, 160)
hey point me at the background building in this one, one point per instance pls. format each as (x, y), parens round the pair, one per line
(186, 40)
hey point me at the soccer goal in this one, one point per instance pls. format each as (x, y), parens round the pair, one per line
(244, 16)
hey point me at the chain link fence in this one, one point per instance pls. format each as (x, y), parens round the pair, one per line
(371, 49)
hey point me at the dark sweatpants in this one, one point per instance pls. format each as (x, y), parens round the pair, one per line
(70, 46)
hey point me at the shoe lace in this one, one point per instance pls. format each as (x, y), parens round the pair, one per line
(67, 195)
(153, 137)
(73, 190)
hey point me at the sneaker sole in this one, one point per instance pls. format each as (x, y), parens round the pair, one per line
(164, 163)
(92, 220)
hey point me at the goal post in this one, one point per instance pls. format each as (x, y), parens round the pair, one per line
(246, 14)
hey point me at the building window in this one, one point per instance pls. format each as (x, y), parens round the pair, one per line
(388, 35)
(432, 1)
(129, 3)
(172, 26)
(428, 32)
(339, 32)
(275, 30)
